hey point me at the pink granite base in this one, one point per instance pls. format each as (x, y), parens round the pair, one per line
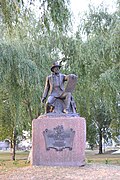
(41, 156)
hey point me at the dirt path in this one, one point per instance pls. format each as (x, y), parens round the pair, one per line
(88, 172)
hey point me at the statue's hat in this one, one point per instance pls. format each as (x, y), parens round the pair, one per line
(55, 64)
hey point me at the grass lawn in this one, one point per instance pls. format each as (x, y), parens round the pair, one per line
(106, 158)
(6, 164)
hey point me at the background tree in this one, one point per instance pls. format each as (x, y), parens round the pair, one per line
(26, 47)
(96, 62)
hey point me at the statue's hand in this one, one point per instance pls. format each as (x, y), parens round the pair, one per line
(43, 99)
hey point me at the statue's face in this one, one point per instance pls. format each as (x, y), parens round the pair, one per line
(56, 70)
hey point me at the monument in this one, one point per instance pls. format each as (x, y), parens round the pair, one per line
(59, 135)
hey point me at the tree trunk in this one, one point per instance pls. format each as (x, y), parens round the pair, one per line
(14, 144)
(11, 144)
(30, 111)
(100, 141)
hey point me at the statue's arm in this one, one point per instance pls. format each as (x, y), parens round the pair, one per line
(46, 89)
(66, 77)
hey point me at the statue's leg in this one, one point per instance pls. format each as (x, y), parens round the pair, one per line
(49, 104)
(67, 98)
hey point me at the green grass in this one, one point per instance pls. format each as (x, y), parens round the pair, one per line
(19, 155)
(106, 158)
(7, 164)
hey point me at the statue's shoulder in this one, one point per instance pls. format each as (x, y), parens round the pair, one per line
(62, 75)
(49, 76)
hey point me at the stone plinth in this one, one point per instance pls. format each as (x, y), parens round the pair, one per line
(53, 157)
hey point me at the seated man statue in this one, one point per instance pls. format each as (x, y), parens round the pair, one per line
(55, 88)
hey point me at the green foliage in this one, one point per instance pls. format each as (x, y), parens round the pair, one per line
(51, 13)
(59, 13)
(27, 48)
(96, 62)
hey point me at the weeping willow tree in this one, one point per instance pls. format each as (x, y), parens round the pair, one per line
(49, 13)
(102, 29)
(27, 49)
(96, 62)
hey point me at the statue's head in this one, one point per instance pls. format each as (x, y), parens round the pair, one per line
(55, 65)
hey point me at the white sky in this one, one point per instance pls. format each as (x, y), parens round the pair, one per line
(82, 5)
(78, 7)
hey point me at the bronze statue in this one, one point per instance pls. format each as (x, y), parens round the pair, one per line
(60, 98)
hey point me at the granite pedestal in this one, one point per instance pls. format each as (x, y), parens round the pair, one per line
(65, 156)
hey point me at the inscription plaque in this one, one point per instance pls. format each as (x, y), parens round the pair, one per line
(58, 138)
